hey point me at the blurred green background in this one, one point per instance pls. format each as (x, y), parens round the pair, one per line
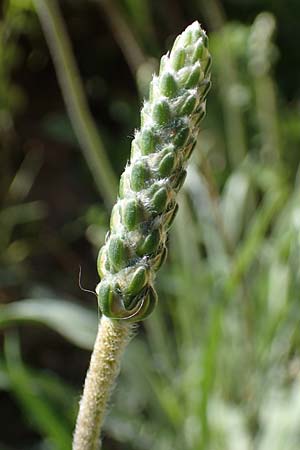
(217, 366)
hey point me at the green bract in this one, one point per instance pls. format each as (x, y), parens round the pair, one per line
(136, 245)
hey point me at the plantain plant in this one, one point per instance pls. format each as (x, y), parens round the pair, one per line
(223, 372)
(135, 247)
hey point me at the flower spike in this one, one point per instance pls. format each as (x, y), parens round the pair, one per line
(135, 247)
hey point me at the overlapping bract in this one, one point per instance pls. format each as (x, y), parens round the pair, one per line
(135, 248)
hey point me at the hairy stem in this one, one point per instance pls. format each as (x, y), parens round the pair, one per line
(135, 247)
(75, 100)
(109, 346)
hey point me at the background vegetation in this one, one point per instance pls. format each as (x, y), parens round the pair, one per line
(217, 366)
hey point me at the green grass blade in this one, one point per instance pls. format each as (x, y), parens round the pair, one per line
(49, 423)
(72, 321)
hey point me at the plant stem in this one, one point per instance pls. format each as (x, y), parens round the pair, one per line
(228, 78)
(75, 100)
(135, 248)
(124, 35)
(141, 65)
(109, 346)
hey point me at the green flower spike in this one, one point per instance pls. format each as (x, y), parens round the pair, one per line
(135, 248)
